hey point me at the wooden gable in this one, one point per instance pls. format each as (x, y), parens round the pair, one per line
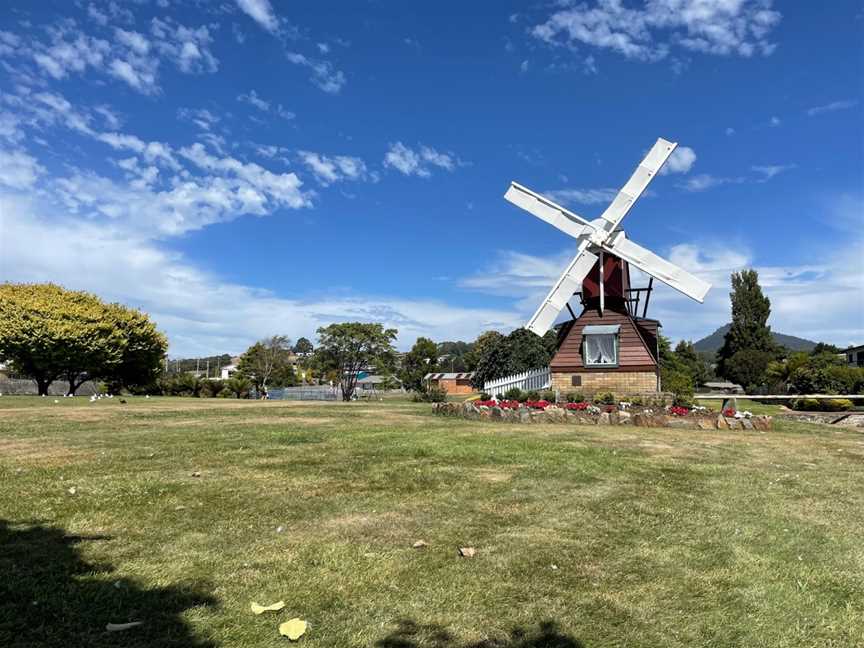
(637, 343)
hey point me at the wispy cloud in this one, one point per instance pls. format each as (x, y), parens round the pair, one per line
(834, 106)
(650, 32)
(419, 162)
(254, 100)
(769, 171)
(324, 74)
(328, 170)
(261, 12)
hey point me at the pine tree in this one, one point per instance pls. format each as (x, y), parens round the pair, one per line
(748, 346)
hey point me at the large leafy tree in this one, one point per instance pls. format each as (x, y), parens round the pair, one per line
(690, 360)
(420, 360)
(267, 363)
(303, 346)
(348, 347)
(748, 346)
(499, 356)
(47, 332)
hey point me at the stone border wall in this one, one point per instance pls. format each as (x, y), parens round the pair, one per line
(646, 418)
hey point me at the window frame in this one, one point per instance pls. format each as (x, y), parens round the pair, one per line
(595, 365)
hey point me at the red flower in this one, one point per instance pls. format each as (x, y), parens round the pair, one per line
(577, 406)
(679, 411)
(729, 411)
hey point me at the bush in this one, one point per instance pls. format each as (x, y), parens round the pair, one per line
(636, 401)
(237, 386)
(532, 395)
(817, 405)
(499, 397)
(548, 395)
(838, 405)
(681, 385)
(484, 396)
(605, 398)
(211, 388)
(514, 393)
(574, 397)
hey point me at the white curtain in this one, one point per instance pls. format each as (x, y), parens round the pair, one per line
(600, 349)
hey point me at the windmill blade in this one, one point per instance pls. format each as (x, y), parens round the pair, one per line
(568, 283)
(546, 210)
(645, 172)
(658, 267)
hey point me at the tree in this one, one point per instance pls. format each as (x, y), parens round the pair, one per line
(142, 350)
(268, 362)
(488, 358)
(824, 347)
(303, 347)
(694, 364)
(454, 356)
(351, 346)
(420, 360)
(47, 332)
(749, 341)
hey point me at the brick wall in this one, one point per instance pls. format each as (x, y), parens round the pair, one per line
(617, 382)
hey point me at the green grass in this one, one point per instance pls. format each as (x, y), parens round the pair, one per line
(658, 537)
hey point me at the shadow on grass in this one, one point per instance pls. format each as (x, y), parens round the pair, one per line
(411, 634)
(50, 596)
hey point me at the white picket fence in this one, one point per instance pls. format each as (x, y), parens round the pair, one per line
(527, 380)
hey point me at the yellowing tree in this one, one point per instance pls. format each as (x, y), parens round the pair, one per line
(47, 333)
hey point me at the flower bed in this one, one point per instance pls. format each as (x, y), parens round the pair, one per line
(584, 413)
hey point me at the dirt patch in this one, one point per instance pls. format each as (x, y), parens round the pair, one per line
(39, 453)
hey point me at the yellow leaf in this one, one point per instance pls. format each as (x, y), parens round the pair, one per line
(293, 629)
(273, 607)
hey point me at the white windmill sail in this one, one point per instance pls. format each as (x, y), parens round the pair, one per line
(600, 235)
(569, 282)
(659, 268)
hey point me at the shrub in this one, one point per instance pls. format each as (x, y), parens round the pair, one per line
(532, 395)
(485, 397)
(605, 398)
(636, 401)
(681, 385)
(574, 397)
(211, 388)
(499, 397)
(805, 404)
(548, 395)
(514, 393)
(838, 405)
(237, 386)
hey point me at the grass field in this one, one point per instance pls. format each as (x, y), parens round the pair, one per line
(179, 513)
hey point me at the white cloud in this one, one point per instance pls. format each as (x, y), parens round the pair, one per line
(261, 12)
(775, 122)
(410, 162)
(18, 170)
(769, 171)
(582, 196)
(253, 99)
(705, 181)
(681, 161)
(832, 107)
(201, 313)
(132, 57)
(648, 33)
(324, 74)
(730, 131)
(328, 170)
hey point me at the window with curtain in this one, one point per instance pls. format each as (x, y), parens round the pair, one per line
(601, 349)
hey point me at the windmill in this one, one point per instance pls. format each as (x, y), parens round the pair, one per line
(609, 336)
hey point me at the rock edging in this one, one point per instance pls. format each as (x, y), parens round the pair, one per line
(553, 414)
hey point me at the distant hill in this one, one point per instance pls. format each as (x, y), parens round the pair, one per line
(714, 341)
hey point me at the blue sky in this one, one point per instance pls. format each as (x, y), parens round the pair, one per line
(247, 168)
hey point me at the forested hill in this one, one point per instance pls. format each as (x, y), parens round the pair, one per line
(714, 341)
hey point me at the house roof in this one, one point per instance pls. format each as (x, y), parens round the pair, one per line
(860, 347)
(375, 379)
(449, 376)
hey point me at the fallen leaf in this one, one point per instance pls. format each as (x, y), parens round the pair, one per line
(273, 607)
(72, 491)
(196, 474)
(419, 544)
(467, 552)
(120, 627)
(293, 629)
